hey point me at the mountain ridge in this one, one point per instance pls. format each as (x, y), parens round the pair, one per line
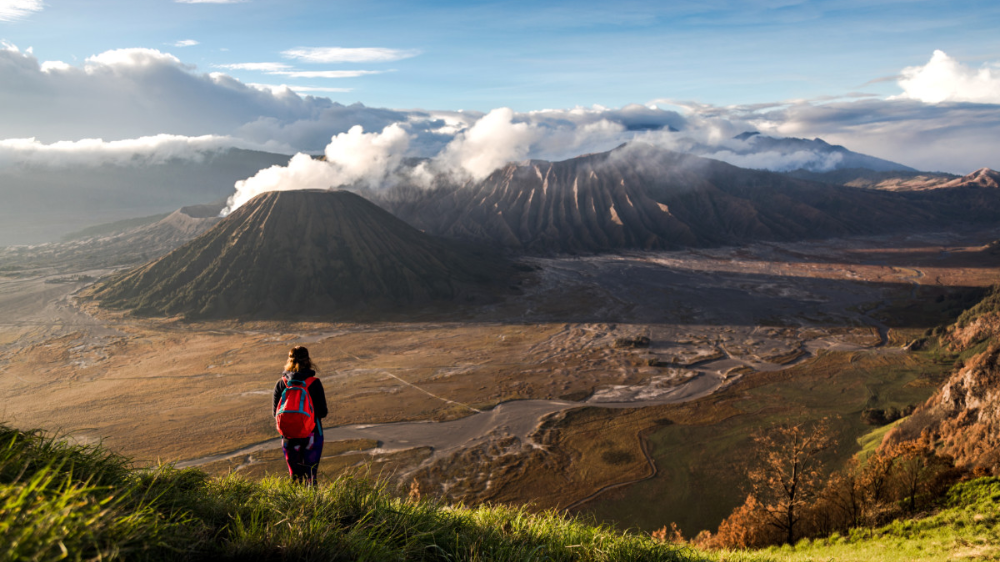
(643, 197)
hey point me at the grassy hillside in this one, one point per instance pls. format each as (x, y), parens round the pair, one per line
(967, 527)
(73, 502)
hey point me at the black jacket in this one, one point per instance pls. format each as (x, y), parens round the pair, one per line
(315, 392)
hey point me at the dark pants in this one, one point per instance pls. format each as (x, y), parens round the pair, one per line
(302, 456)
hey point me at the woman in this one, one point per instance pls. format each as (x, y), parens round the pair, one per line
(302, 454)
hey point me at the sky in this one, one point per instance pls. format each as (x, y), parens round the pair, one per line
(917, 82)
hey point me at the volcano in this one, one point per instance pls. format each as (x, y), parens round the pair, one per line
(643, 197)
(304, 254)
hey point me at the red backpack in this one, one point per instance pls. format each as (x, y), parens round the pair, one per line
(295, 416)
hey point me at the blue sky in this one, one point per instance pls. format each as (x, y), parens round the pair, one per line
(917, 82)
(531, 55)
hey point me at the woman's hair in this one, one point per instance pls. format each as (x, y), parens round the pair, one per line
(298, 360)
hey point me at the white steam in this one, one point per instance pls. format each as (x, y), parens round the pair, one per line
(374, 159)
(351, 157)
(490, 143)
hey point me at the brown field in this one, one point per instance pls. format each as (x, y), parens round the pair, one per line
(529, 400)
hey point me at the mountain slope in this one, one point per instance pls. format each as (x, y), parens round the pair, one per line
(115, 244)
(963, 416)
(301, 253)
(639, 196)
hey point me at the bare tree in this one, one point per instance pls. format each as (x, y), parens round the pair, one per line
(788, 472)
(918, 469)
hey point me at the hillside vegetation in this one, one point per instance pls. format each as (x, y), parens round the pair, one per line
(72, 502)
(907, 495)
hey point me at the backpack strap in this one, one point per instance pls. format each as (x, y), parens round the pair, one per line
(319, 426)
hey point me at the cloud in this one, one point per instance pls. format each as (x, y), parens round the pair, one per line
(951, 137)
(96, 152)
(256, 66)
(324, 73)
(122, 58)
(282, 69)
(131, 93)
(186, 43)
(137, 93)
(210, 1)
(278, 88)
(351, 157)
(340, 54)
(14, 10)
(944, 79)
(777, 161)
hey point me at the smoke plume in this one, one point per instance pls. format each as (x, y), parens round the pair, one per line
(350, 158)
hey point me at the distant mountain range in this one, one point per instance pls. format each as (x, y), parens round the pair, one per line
(901, 181)
(122, 243)
(815, 155)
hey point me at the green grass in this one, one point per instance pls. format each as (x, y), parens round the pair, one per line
(68, 502)
(870, 441)
(62, 501)
(967, 528)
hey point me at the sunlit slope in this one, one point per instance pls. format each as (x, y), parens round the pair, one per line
(301, 253)
(644, 197)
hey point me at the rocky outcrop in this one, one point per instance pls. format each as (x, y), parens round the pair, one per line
(963, 417)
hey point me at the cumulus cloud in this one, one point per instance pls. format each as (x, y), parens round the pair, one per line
(944, 79)
(131, 93)
(350, 158)
(14, 10)
(341, 54)
(95, 152)
(186, 43)
(138, 93)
